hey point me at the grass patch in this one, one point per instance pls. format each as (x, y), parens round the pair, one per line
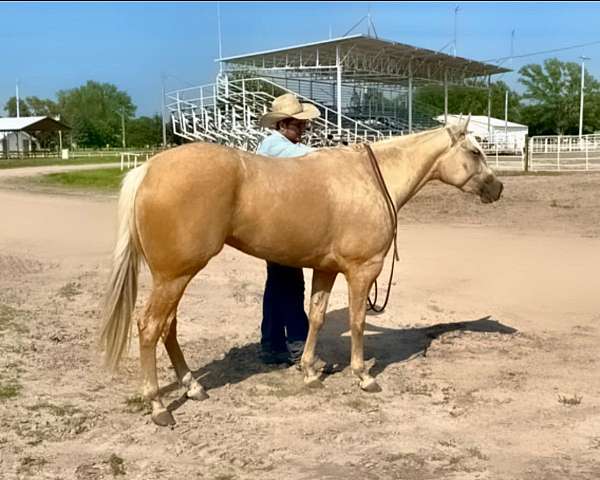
(555, 204)
(137, 404)
(70, 290)
(7, 316)
(9, 390)
(116, 465)
(28, 464)
(570, 401)
(8, 319)
(44, 162)
(105, 179)
(56, 410)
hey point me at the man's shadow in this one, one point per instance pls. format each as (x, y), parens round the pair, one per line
(387, 345)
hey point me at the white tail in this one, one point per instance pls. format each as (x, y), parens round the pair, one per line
(119, 301)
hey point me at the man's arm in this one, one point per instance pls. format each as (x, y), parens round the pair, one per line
(277, 146)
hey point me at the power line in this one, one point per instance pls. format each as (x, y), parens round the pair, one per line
(503, 59)
(179, 79)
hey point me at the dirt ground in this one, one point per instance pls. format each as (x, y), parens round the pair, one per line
(487, 353)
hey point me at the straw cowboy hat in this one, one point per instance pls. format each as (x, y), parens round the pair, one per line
(288, 106)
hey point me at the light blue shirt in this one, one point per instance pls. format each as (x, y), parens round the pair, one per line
(277, 145)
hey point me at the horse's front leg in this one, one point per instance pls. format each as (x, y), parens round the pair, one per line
(322, 282)
(359, 283)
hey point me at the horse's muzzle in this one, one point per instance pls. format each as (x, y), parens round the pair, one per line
(491, 190)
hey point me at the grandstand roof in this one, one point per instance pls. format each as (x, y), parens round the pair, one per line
(366, 58)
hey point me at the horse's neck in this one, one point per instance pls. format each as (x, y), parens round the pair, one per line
(407, 163)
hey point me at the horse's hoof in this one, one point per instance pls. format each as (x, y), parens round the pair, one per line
(370, 385)
(163, 418)
(197, 394)
(313, 382)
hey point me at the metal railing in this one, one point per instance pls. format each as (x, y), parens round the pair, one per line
(564, 153)
(228, 111)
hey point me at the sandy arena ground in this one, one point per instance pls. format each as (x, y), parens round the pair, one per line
(487, 354)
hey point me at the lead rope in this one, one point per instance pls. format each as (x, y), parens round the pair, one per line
(394, 215)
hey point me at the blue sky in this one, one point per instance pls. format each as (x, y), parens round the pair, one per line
(60, 45)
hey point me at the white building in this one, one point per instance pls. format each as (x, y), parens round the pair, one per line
(507, 135)
(18, 142)
(17, 133)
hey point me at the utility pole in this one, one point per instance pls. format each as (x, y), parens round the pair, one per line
(18, 108)
(455, 15)
(506, 117)
(512, 46)
(220, 41)
(583, 59)
(164, 124)
(123, 125)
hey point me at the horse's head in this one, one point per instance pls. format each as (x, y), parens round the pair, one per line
(465, 167)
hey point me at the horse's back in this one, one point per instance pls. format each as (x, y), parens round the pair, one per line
(185, 203)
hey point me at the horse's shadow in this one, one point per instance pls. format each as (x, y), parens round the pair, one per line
(387, 345)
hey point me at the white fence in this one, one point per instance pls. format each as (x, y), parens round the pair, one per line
(564, 153)
(128, 159)
(504, 156)
(553, 153)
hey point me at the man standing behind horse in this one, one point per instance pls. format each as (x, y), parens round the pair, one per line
(284, 324)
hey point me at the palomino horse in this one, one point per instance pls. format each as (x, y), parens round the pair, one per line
(323, 211)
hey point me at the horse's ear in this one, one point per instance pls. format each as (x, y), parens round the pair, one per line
(467, 123)
(456, 131)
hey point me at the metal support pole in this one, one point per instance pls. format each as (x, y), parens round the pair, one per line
(445, 97)
(583, 59)
(123, 125)
(164, 124)
(214, 100)
(244, 102)
(410, 112)
(489, 109)
(18, 100)
(339, 90)
(506, 117)
(558, 154)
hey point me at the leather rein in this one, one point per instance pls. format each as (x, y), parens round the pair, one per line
(394, 216)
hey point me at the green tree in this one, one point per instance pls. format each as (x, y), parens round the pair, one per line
(462, 99)
(31, 106)
(144, 131)
(94, 112)
(552, 98)
(10, 107)
(42, 107)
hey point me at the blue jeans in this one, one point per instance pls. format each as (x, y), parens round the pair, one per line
(284, 318)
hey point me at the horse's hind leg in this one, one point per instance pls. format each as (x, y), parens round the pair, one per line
(160, 308)
(194, 389)
(321, 288)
